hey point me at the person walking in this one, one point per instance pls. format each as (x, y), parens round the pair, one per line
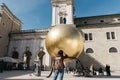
(101, 71)
(59, 65)
(34, 67)
(107, 68)
(92, 70)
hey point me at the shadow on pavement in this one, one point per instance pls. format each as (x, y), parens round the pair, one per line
(114, 76)
(9, 74)
(104, 76)
(22, 79)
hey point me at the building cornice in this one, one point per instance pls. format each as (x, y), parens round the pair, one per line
(69, 2)
(98, 16)
(99, 25)
(32, 31)
(28, 35)
(6, 10)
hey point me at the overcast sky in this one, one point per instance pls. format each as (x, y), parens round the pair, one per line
(37, 14)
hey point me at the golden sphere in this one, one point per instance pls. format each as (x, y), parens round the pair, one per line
(66, 38)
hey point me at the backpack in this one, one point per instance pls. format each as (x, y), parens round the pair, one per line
(58, 64)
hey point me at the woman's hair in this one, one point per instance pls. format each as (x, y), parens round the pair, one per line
(60, 52)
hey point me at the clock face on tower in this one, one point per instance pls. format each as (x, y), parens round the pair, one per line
(62, 9)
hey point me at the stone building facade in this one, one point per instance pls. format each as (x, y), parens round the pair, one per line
(100, 33)
(101, 40)
(8, 23)
(32, 41)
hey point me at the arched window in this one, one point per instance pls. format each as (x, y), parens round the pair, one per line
(89, 50)
(113, 50)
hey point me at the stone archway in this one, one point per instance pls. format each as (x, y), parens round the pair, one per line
(27, 56)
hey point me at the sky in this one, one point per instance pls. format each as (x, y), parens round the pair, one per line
(37, 14)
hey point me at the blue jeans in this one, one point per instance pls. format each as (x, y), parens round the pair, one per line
(61, 72)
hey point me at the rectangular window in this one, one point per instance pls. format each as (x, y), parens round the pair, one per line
(110, 35)
(88, 36)
(113, 35)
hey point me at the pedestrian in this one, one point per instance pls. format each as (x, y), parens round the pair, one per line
(67, 69)
(92, 70)
(1, 66)
(25, 66)
(34, 67)
(59, 65)
(87, 72)
(101, 71)
(107, 68)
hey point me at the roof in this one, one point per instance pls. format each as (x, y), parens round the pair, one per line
(4, 6)
(98, 16)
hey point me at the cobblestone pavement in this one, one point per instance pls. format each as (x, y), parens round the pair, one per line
(28, 75)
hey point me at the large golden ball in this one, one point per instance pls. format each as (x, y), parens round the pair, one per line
(66, 38)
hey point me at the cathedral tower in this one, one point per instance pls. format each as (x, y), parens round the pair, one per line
(62, 12)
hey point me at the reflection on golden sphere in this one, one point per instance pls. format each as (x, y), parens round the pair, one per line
(66, 38)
